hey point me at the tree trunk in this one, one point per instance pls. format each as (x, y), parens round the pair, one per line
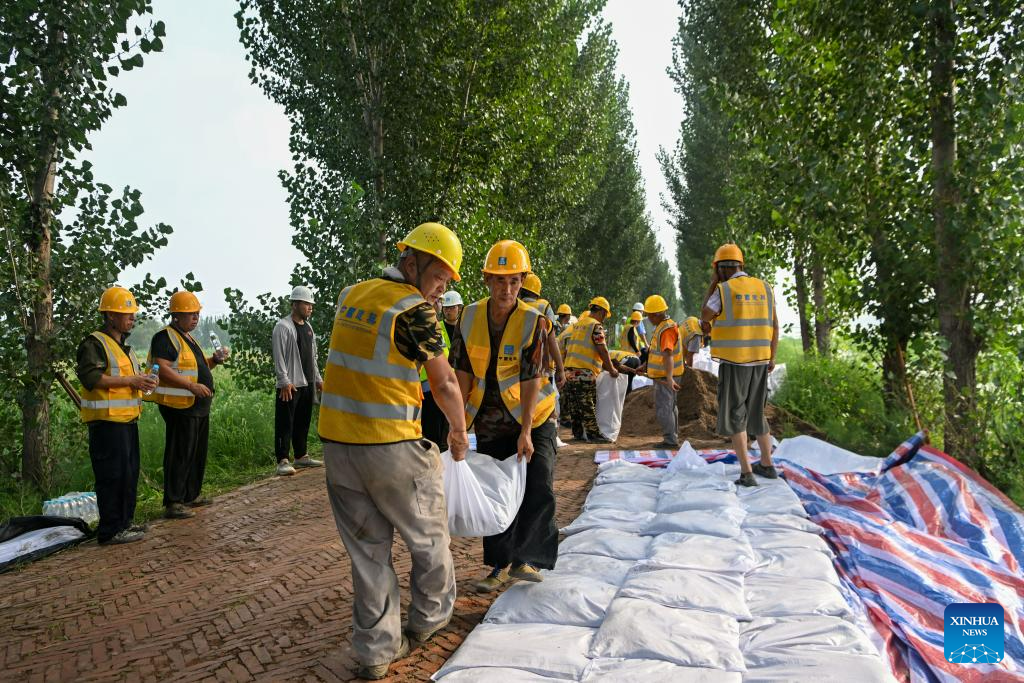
(822, 320)
(800, 276)
(894, 372)
(952, 286)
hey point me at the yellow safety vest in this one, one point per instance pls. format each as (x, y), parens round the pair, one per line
(185, 365)
(580, 351)
(620, 355)
(544, 306)
(691, 327)
(116, 404)
(624, 339)
(372, 393)
(655, 357)
(519, 332)
(742, 332)
(447, 348)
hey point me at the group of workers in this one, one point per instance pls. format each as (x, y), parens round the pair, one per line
(410, 369)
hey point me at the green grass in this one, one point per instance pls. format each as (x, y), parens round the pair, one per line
(241, 451)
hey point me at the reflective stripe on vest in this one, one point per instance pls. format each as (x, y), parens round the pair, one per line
(620, 355)
(656, 358)
(519, 332)
(544, 306)
(742, 333)
(186, 365)
(580, 351)
(371, 393)
(113, 404)
(691, 327)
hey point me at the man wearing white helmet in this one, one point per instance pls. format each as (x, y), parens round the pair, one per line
(451, 309)
(294, 349)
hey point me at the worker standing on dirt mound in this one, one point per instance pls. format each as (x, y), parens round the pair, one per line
(665, 367)
(511, 403)
(740, 311)
(381, 474)
(112, 384)
(185, 395)
(693, 339)
(586, 354)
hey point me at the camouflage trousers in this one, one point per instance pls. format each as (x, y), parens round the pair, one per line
(581, 408)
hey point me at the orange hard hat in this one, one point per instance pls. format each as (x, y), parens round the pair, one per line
(184, 301)
(118, 300)
(728, 252)
(507, 257)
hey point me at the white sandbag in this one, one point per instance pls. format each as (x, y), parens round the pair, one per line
(797, 563)
(725, 523)
(821, 666)
(780, 596)
(600, 567)
(773, 639)
(483, 494)
(621, 471)
(686, 459)
(781, 521)
(699, 499)
(654, 671)
(639, 496)
(775, 498)
(720, 592)
(698, 551)
(544, 649)
(776, 378)
(611, 393)
(821, 456)
(783, 539)
(638, 629)
(489, 674)
(678, 483)
(608, 543)
(565, 600)
(609, 518)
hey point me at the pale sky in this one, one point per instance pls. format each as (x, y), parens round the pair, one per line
(204, 145)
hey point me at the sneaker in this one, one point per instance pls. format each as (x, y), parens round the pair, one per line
(665, 446)
(141, 528)
(202, 501)
(526, 572)
(600, 438)
(306, 461)
(746, 479)
(177, 511)
(124, 536)
(766, 471)
(285, 469)
(379, 671)
(419, 638)
(496, 579)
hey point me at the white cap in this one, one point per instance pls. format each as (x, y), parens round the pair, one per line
(452, 298)
(638, 307)
(301, 293)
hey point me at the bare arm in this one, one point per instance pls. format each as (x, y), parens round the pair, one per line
(445, 388)
(775, 341)
(556, 355)
(528, 392)
(140, 382)
(170, 378)
(606, 361)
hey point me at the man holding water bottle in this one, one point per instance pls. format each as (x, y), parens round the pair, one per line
(185, 394)
(112, 384)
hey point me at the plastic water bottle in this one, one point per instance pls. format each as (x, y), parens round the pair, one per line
(217, 346)
(154, 372)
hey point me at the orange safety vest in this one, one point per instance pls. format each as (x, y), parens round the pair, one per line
(114, 404)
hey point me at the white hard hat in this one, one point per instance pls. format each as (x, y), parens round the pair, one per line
(452, 298)
(638, 307)
(301, 293)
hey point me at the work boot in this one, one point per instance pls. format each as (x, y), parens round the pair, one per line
(379, 671)
(142, 528)
(600, 438)
(419, 638)
(665, 446)
(766, 471)
(746, 479)
(177, 511)
(493, 581)
(285, 469)
(306, 461)
(526, 572)
(124, 536)
(200, 502)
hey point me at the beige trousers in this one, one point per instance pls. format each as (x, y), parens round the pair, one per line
(374, 491)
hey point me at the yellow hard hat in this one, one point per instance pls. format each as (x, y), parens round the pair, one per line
(184, 301)
(564, 309)
(532, 283)
(601, 302)
(118, 300)
(728, 252)
(437, 241)
(507, 257)
(655, 303)
(636, 316)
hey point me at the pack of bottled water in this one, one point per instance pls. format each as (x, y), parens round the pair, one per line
(80, 504)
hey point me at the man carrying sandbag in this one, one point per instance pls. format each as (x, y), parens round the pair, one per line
(382, 475)
(510, 403)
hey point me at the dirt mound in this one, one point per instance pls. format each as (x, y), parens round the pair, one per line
(698, 412)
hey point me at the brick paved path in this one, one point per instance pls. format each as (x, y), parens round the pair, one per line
(256, 587)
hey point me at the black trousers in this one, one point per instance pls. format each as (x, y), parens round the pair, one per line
(291, 422)
(435, 424)
(186, 441)
(114, 452)
(533, 536)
